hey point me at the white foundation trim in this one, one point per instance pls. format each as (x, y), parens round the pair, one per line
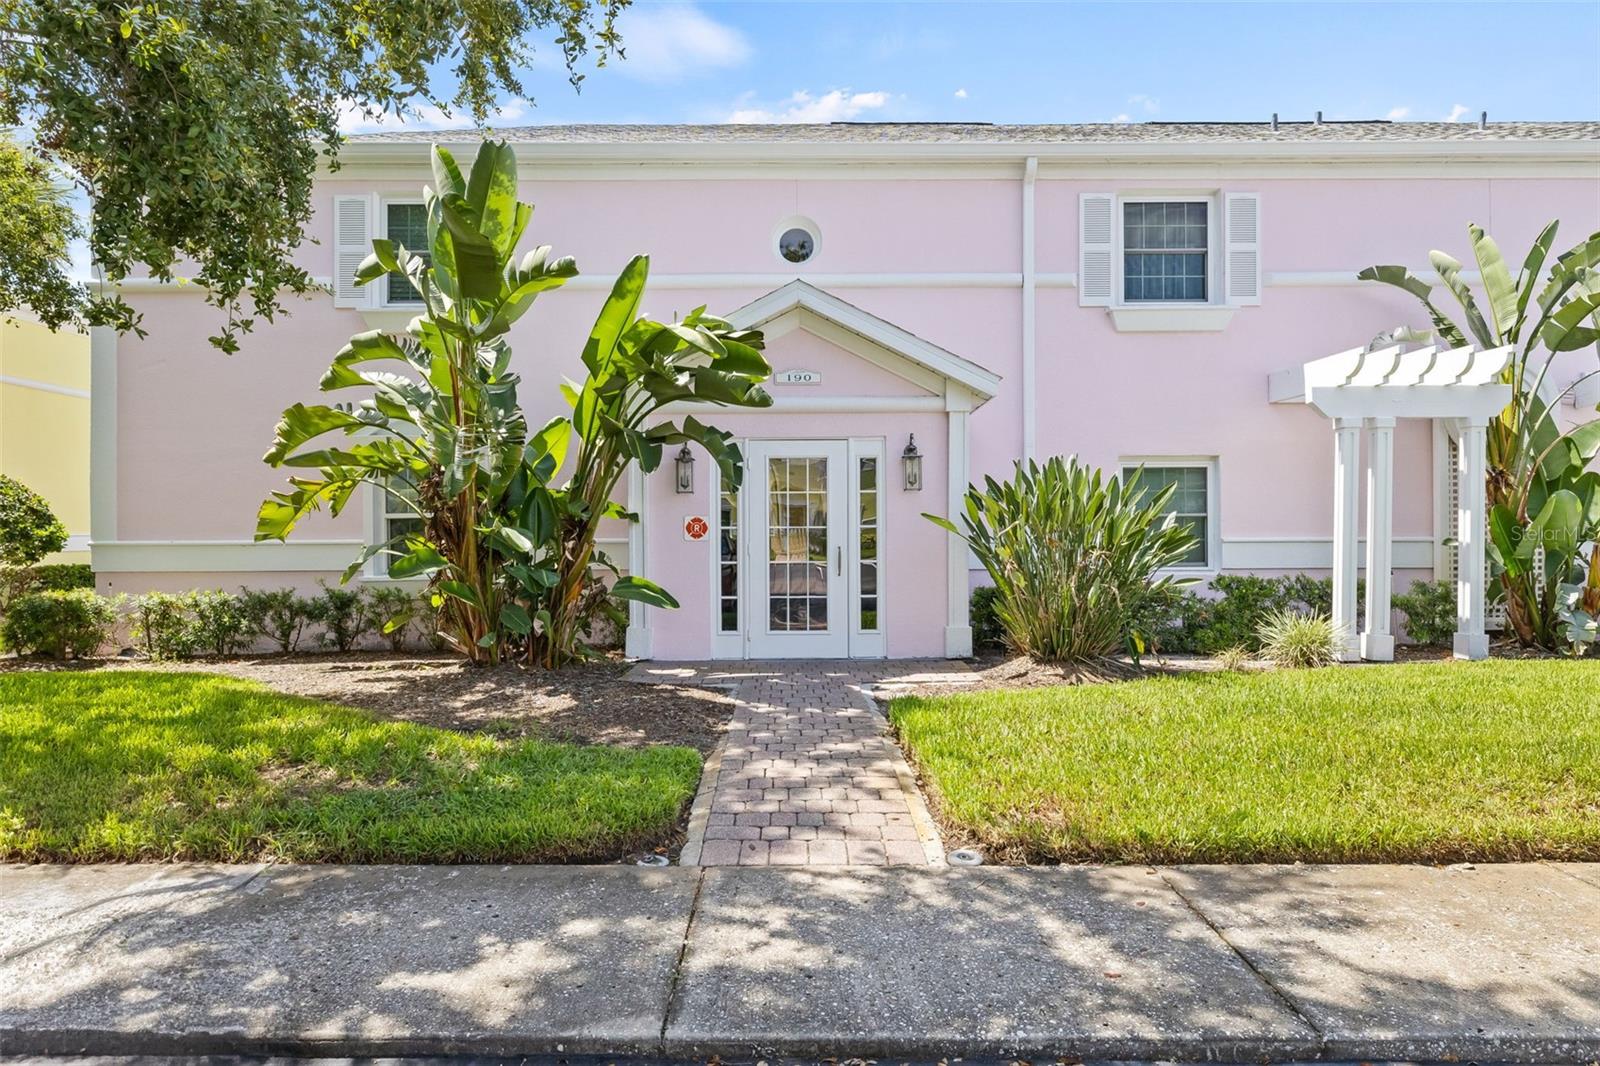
(224, 556)
(103, 433)
(1315, 553)
(44, 386)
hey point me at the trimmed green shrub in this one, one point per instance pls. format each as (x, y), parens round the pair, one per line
(986, 629)
(217, 622)
(394, 610)
(29, 530)
(1072, 554)
(58, 624)
(344, 616)
(1207, 625)
(278, 615)
(1295, 640)
(1430, 611)
(62, 577)
(161, 626)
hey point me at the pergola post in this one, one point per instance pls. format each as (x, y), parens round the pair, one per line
(1472, 641)
(1377, 642)
(1346, 502)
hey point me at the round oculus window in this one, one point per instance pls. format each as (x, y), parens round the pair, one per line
(797, 244)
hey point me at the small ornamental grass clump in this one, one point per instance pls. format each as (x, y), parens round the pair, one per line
(1294, 640)
(1073, 556)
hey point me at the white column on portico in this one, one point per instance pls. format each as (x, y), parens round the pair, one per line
(1377, 642)
(1472, 642)
(1346, 504)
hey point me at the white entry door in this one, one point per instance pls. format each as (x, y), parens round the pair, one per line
(796, 586)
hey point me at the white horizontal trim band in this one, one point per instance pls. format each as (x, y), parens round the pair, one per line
(244, 556)
(44, 386)
(782, 404)
(1314, 553)
(602, 281)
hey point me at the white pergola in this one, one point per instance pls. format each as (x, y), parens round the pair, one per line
(1361, 389)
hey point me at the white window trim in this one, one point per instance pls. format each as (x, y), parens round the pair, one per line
(729, 644)
(1171, 316)
(797, 222)
(381, 227)
(1211, 465)
(868, 644)
(1212, 202)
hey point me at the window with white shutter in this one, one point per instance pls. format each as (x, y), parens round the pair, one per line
(1242, 255)
(1096, 248)
(352, 242)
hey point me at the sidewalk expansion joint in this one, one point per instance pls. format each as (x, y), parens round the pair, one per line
(677, 967)
(1282, 997)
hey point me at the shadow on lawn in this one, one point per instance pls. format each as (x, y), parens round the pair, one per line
(1104, 963)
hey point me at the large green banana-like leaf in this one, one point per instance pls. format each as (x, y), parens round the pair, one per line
(1497, 283)
(616, 316)
(1564, 331)
(492, 195)
(301, 423)
(1449, 269)
(1401, 278)
(447, 179)
(1559, 527)
(641, 590)
(1533, 266)
(476, 259)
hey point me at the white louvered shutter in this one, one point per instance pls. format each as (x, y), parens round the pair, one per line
(352, 242)
(1096, 248)
(1242, 247)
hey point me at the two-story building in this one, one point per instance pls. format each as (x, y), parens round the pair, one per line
(969, 295)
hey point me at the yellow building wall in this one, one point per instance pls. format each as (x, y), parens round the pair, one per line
(44, 422)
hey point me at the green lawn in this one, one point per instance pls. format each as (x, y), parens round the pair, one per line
(146, 766)
(1430, 762)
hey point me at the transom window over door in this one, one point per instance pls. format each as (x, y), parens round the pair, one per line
(1190, 503)
(1165, 251)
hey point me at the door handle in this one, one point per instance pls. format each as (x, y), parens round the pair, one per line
(838, 555)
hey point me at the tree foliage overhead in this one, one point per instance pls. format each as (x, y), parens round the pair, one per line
(37, 227)
(196, 126)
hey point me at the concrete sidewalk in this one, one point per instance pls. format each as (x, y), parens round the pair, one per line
(1217, 963)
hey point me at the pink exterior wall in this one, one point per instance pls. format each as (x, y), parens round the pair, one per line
(192, 423)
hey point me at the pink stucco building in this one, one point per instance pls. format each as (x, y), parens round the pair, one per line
(995, 292)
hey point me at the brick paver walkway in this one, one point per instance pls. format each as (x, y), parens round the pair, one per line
(808, 775)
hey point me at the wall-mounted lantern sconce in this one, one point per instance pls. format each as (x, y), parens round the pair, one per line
(911, 461)
(685, 465)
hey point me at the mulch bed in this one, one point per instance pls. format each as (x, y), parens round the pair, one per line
(585, 704)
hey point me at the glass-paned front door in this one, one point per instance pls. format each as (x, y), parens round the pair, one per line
(796, 587)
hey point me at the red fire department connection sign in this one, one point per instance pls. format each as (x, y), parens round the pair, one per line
(696, 528)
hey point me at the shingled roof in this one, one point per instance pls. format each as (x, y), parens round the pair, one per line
(957, 133)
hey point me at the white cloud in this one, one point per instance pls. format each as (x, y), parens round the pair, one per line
(673, 41)
(427, 117)
(840, 105)
(1457, 113)
(961, 94)
(1124, 117)
(1397, 113)
(1146, 103)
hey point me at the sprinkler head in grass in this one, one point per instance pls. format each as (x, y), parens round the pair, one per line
(965, 857)
(652, 860)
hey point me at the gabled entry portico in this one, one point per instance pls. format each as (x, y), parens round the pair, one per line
(821, 552)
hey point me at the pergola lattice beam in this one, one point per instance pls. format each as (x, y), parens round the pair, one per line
(1368, 390)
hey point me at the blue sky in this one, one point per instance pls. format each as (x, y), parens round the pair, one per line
(1078, 62)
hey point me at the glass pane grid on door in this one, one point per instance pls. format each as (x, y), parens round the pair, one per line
(797, 548)
(728, 558)
(868, 520)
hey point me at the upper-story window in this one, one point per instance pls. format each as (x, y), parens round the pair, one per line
(407, 225)
(1165, 250)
